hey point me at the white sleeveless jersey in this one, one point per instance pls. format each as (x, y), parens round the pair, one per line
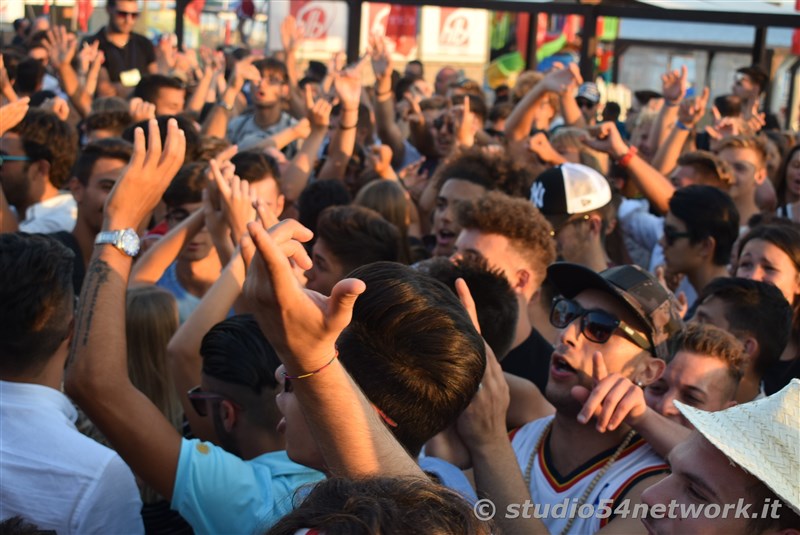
(556, 498)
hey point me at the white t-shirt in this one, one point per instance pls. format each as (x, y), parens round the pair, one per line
(53, 215)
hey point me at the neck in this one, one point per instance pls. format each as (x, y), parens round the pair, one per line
(197, 277)
(52, 375)
(118, 38)
(267, 115)
(262, 442)
(747, 208)
(594, 257)
(524, 326)
(573, 443)
(701, 276)
(749, 387)
(85, 237)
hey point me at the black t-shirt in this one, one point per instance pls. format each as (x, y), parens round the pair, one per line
(138, 53)
(530, 360)
(78, 267)
(780, 374)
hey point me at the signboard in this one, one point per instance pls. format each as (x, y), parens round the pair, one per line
(455, 33)
(324, 25)
(397, 22)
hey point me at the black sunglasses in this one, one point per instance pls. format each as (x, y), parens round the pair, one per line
(124, 14)
(671, 235)
(441, 121)
(199, 400)
(583, 103)
(596, 325)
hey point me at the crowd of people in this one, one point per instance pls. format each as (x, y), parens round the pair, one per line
(241, 297)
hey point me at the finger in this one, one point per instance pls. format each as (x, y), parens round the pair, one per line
(309, 97)
(611, 403)
(465, 111)
(265, 215)
(296, 251)
(630, 400)
(247, 249)
(684, 73)
(153, 142)
(465, 296)
(595, 399)
(717, 114)
(599, 371)
(290, 229)
(341, 303)
(222, 185)
(283, 282)
(139, 150)
(227, 153)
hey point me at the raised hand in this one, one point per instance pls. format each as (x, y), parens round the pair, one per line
(58, 106)
(692, 110)
(141, 110)
(13, 113)
(614, 400)
(301, 325)
(60, 45)
(348, 86)
(94, 73)
(146, 177)
(87, 55)
(674, 84)
(318, 112)
(465, 136)
(562, 79)
(244, 71)
(291, 34)
(606, 138)
(379, 54)
(236, 200)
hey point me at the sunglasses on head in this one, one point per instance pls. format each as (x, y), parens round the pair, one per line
(671, 235)
(596, 325)
(199, 400)
(127, 14)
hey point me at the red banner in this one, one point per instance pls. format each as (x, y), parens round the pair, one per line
(796, 34)
(398, 23)
(85, 8)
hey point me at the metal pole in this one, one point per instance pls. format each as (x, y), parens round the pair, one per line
(180, 9)
(530, 46)
(354, 15)
(760, 46)
(588, 45)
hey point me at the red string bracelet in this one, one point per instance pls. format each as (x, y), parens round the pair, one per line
(625, 160)
(309, 374)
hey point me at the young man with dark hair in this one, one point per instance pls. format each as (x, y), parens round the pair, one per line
(513, 237)
(699, 232)
(93, 177)
(37, 157)
(261, 171)
(704, 373)
(757, 314)
(167, 93)
(129, 56)
(750, 82)
(349, 237)
(105, 124)
(52, 475)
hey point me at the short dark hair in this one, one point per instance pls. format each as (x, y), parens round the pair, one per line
(728, 105)
(253, 166)
(112, 148)
(113, 121)
(318, 196)
(148, 87)
(756, 308)
(477, 104)
(187, 186)
(29, 75)
(357, 236)
(385, 505)
(412, 348)
(757, 75)
(495, 301)
(18, 23)
(38, 298)
(709, 341)
(611, 111)
(236, 352)
(708, 212)
(272, 65)
(489, 170)
(46, 137)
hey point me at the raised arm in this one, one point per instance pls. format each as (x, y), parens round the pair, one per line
(673, 87)
(343, 141)
(388, 131)
(97, 375)
(656, 187)
(216, 124)
(303, 327)
(295, 177)
(152, 265)
(690, 112)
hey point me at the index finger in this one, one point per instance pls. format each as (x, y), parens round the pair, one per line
(279, 271)
(309, 97)
(599, 371)
(465, 296)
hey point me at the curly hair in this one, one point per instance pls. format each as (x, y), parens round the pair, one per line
(518, 220)
(491, 170)
(46, 137)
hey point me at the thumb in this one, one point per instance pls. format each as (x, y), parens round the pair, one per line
(248, 250)
(341, 303)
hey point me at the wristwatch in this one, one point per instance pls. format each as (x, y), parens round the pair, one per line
(126, 240)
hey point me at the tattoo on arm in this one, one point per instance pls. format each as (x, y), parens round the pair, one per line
(96, 276)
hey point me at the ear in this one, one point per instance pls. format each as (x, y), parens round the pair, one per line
(279, 204)
(751, 348)
(761, 175)
(41, 169)
(649, 370)
(227, 413)
(707, 246)
(76, 188)
(522, 278)
(729, 404)
(595, 224)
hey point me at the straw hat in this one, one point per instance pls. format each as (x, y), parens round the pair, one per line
(762, 437)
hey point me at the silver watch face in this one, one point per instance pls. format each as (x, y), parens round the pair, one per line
(129, 242)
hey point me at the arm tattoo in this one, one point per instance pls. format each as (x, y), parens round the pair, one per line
(96, 276)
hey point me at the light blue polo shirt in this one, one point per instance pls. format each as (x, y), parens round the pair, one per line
(217, 492)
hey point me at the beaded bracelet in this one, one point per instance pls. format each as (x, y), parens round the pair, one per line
(309, 374)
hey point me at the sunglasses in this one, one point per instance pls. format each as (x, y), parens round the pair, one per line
(199, 400)
(441, 121)
(671, 235)
(127, 14)
(567, 223)
(596, 325)
(583, 103)
(9, 158)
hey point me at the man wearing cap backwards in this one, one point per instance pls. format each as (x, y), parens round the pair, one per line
(748, 453)
(617, 322)
(575, 199)
(588, 98)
